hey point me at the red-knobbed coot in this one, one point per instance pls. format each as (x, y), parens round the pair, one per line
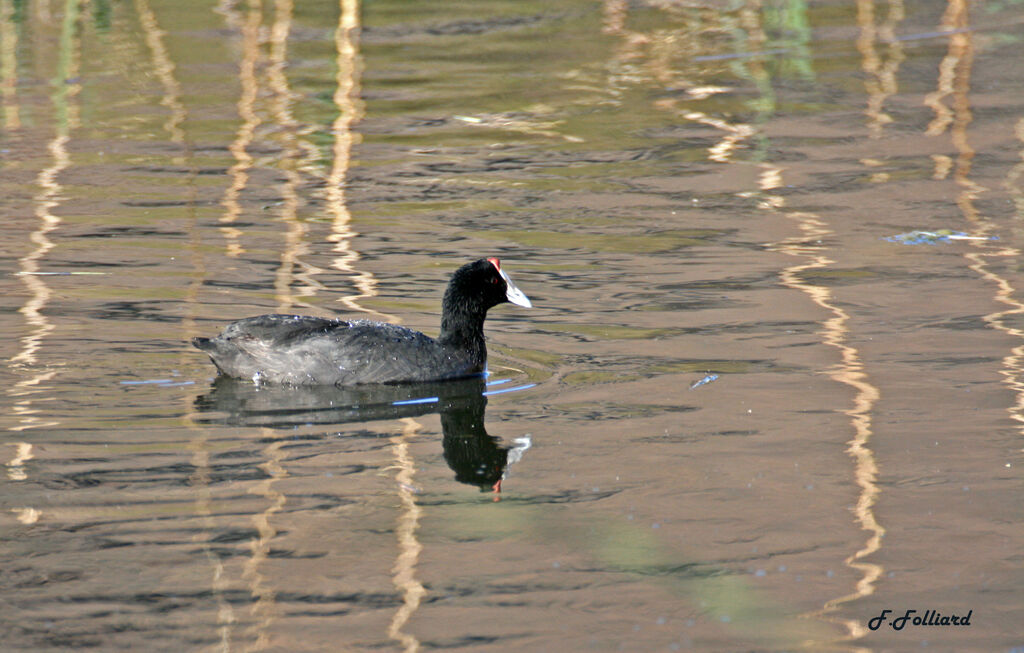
(302, 350)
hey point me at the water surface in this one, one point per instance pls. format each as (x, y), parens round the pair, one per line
(740, 418)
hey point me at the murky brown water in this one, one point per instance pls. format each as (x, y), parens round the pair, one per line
(687, 192)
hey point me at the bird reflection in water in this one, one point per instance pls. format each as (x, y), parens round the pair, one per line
(476, 458)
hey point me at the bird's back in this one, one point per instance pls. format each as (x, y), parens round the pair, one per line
(301, 350)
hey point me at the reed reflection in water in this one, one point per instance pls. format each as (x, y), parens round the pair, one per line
(696, 191)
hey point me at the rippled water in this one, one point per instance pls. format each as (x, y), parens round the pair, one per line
(747, 412)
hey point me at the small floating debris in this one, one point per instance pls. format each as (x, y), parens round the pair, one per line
(708, 378)
(411, 489)
(933, 237)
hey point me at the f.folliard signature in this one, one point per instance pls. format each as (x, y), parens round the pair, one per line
(915, 618)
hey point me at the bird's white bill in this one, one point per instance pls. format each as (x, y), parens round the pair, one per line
(514, 294)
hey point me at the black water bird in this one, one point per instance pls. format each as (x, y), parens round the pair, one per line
(302, 350)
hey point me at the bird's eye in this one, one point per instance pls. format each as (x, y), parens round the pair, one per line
(494, 279)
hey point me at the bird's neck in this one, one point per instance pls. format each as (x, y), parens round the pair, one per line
(462, 327)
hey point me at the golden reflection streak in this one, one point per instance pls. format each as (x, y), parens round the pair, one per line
(291, 159)
(409, 547)
(953, 19)
(22, 409)
(956, 78)
(736, 133)
(663, 45)
(264, 609)
(27, 516)
(1013, 364)
(70, 54)
(943, 166)
(346, 99)
(164, 68)
(300, 155)
(614, 14)
(1013, 178)
(47, 199)
(16, 466)
(200, 480)
(850, 371)
(880, 82)
(28, 265)
(199, 444)
(239, 172)
(9, 67)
